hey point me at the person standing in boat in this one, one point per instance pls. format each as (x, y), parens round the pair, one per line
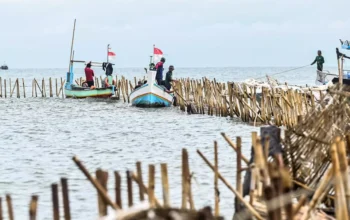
(108, 81)
(160, 68)
(169, 78)
(320, 61)
(89, 74)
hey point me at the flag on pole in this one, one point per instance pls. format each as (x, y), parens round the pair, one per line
(157, 55)
(111, 55)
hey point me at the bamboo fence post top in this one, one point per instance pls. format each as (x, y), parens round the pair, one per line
(139, 175)
(129, 185)
(118, 198)
(55, 202)
(102, 178)
(165, 185)
(151, 181)
(33, 207)
(65, 198)
(9, 207)
(98, 186)
(229, 141)
(1, 209)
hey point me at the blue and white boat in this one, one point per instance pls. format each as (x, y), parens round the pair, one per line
(151, 94)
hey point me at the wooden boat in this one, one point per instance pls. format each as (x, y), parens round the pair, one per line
(151, 94)
(75, 91)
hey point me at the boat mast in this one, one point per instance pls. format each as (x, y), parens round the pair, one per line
(71, 48)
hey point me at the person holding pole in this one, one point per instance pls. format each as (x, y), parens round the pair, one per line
(320, 61)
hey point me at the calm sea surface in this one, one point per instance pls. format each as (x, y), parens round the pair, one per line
(39, 137)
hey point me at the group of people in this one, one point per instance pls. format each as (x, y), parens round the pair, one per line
(168, 77)
(89, 74)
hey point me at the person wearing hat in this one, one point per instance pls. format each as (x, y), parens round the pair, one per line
(89, 74)
(159, 68)
(169, 78)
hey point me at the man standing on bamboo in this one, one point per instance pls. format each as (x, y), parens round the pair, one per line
(320, 61)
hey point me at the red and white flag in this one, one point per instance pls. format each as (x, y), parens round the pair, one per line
(157, 55)
(111, 55)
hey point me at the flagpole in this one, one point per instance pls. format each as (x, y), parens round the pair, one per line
(107, 52)
(71, 47)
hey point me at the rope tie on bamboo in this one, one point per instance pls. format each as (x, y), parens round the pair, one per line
(283, 71)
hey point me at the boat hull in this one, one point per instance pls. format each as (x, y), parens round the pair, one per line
(151, 94)
(93, 93)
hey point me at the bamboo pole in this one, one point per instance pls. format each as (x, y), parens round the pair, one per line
(102, 178)
(145, 189)
(9, 207)
(229, 141)
(151, 197)
(139, 174)
(249, 207)
(216, 177)
(50, 85)
(55, 203)
(0, 90)
(43, 87)
(129, 185)
(344, 171)
(118, 194)
(5, 87)
(18, 94)
(33, 207)
(10, 87)
(56, 87)
(98, 186)
(184, 179)
(24, 88)
(13, 89)
(165, 185)
(238, 173)
(340, 202)
(1, 216)
(65, 198)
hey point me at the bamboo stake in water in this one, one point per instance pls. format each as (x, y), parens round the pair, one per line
(216, 177)
(98, 186)
(14, 86)
(18, 94)
(9, 207)
(55, 203)
(139, 175)
(238, 173)
(50, 85)
(10, 87)
(1, 216)
(151, 174)
(184, 179)
(165, 185)
(24, 88)
(33, 207)
(56, 87)
(0, 90)
(65, 198)
(129, 185)
(118, 194)
(5, 87)
(102, 178)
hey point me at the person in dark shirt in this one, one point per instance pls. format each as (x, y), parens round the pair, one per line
(169, 78)
(320, 61)
(160, 68)
(89, 74)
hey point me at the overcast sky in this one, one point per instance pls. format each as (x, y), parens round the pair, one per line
(192, 33)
